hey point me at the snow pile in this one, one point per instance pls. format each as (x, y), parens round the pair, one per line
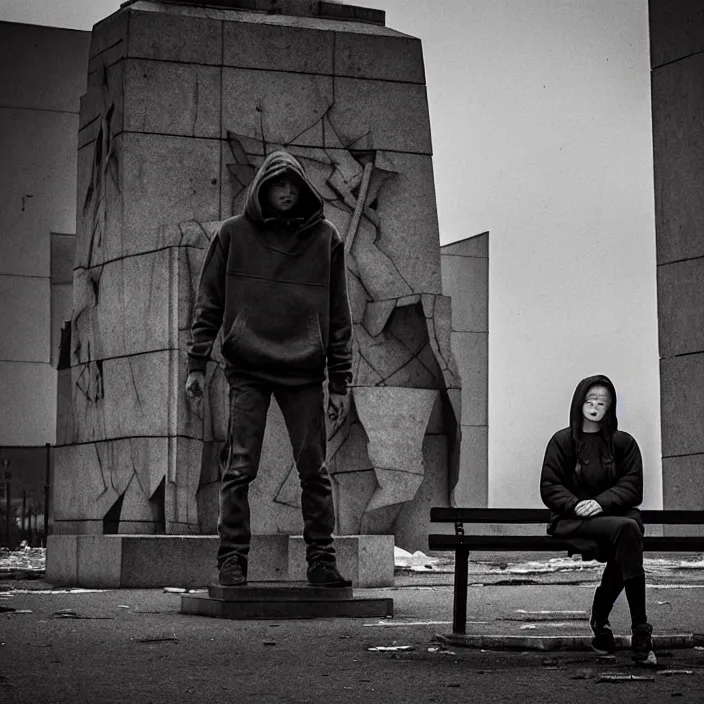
(25, 559)
(556, 564)
(416, 562)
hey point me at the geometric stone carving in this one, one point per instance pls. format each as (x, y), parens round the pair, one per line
(438, 314)
(377, 314)
(94, 476)
(395, 420)
(395, 487)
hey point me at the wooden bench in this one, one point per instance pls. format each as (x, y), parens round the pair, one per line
(462, 544)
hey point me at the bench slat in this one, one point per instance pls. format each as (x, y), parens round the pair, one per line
(542, 515)
(546, 543)
(495, 542)
(489, 515)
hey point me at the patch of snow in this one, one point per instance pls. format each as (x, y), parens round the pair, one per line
(417, 561)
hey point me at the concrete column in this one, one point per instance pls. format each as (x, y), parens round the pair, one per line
(677, 59)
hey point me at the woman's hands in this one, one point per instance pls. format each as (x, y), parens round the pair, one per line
(588, 508)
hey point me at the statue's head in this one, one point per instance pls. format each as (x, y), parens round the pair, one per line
(281, 192)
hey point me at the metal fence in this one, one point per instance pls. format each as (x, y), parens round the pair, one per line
(25, 481)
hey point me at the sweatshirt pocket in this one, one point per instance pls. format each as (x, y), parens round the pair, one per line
(276, 326)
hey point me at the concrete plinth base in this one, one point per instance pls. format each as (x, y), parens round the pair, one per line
(147, 561)
(283, 601)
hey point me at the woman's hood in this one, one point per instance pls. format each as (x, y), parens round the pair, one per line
(309, 208)
(610, 422)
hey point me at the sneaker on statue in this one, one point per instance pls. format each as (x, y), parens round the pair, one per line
(325, 574)
(232, 574)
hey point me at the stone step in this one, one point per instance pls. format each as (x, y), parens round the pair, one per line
(274, 609)
(278, 591)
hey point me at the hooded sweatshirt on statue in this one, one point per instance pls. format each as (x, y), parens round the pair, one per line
(277, 285)
(605, 466)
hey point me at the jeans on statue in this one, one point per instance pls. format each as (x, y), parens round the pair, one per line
(304, 414)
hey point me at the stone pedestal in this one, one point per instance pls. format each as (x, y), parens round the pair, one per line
(152, 561)
(184, 100)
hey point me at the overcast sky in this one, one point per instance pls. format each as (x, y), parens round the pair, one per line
(540, 112)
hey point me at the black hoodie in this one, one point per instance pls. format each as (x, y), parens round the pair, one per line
(616, 483)
(278, 286)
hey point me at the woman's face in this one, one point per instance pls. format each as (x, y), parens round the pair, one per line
(596, 403)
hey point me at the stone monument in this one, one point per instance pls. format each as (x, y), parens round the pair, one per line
(184, 99)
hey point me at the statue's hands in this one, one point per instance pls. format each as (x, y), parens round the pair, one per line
(588, 508)
(195, 384)
(337, 407)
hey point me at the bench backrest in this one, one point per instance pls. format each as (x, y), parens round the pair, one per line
(542, 515)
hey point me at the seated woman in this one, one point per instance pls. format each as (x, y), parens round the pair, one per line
(592, 482)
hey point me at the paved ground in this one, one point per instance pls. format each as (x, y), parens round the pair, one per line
(134, 646)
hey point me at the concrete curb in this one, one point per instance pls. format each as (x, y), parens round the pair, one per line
(574, 642)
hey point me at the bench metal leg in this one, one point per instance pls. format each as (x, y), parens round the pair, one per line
(459, 603)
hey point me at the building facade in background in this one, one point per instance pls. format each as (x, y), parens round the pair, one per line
(677, 59)
(42, 76)
(465, 278)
